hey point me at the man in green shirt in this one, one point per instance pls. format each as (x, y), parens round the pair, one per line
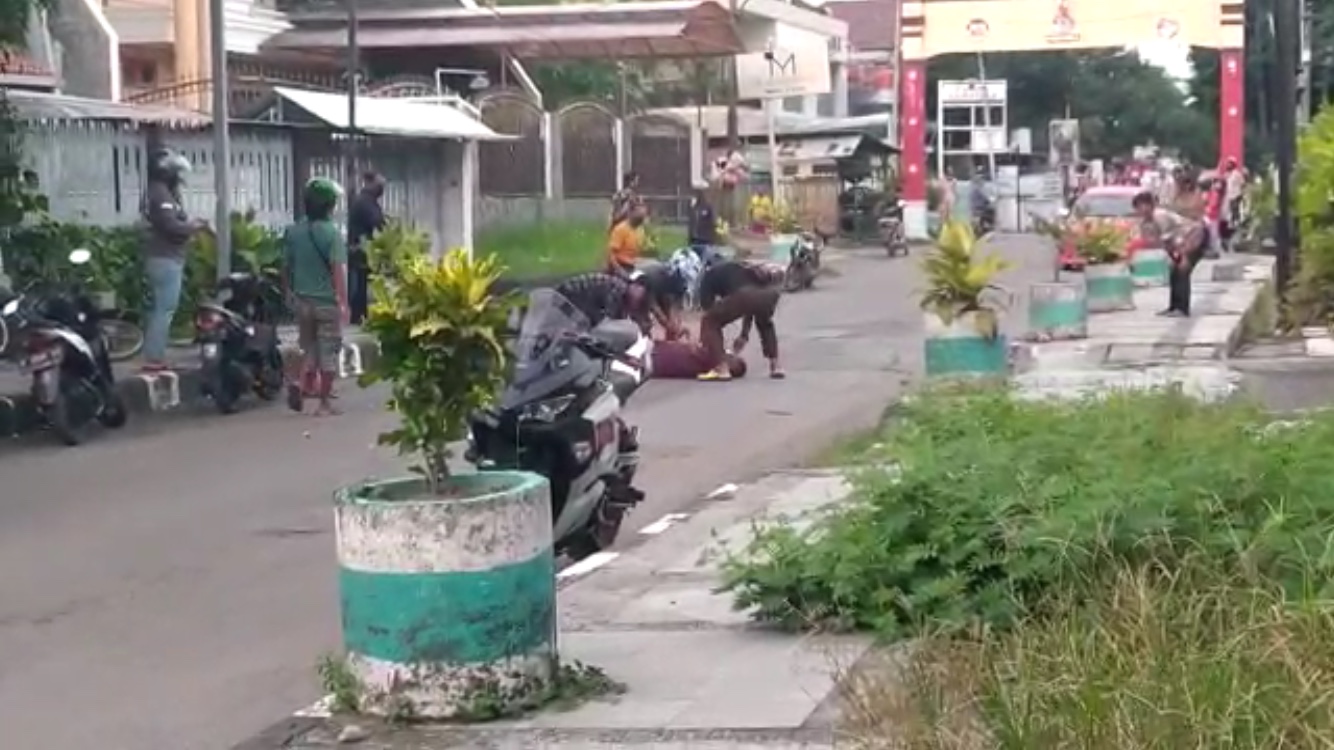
(315, 278)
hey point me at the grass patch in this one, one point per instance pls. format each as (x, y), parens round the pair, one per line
(560, 248)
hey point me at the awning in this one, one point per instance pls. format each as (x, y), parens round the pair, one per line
(679, 29)
(34, 105)
(390, 116)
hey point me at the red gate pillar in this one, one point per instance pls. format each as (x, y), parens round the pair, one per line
(912, 125)
(1232, 105)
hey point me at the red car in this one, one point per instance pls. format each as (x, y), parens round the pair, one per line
(1108, 203)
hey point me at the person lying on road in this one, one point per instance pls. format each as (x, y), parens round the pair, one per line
(687, 359)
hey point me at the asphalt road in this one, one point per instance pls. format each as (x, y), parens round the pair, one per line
(171, 587)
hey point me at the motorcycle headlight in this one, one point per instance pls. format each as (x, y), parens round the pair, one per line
(547, 410)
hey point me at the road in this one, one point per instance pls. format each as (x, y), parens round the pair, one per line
(171, 587)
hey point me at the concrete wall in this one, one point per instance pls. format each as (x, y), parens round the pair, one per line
(493, 211)
(89, 50)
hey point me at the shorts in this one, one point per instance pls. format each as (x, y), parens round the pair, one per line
(320, 334)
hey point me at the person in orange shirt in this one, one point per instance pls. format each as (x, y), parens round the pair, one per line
(626, 242)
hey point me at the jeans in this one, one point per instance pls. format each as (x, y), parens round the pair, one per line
(1179, 281)
(358, 281)
(164, 279)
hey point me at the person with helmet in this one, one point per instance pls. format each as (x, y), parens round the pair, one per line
(315, 278)
(169, 230)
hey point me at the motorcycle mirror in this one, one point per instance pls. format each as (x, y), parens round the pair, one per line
(80, 256)
(10, 307)
(902, 203)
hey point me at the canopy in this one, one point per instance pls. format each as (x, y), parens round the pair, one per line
(410, 118)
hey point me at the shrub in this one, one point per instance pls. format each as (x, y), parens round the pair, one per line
(1000, 504)
(1149, 659)
(1311, 293)
(960, 280)
(440, 333)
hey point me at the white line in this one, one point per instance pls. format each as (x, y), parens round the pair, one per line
(664, 523)
(588, 564)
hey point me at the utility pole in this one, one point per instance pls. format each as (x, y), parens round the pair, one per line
(733, 126)
(222, 147)
(986, 116)
(1307, 30)
(353, 88)
(1287, 25)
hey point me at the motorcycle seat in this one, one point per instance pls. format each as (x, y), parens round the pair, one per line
(616, 335)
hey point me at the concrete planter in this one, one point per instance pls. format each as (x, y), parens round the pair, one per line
(445, 600)
(956, 349)
(1109, 287)
(1058, 310)
(780, 247)
(1150, 267)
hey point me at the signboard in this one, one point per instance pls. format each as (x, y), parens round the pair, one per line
(951, 93)
(785, 70)
(1063, 142)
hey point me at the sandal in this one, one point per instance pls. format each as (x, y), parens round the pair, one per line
(712, 375)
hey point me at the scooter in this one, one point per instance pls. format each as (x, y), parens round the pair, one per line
(984, 220)
(238, 342)
(560, 416)
(892, 233)
(803, 263)
(65, 352)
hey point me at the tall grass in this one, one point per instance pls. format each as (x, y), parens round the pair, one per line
(1150, 657)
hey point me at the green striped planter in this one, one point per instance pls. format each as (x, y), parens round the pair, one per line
(1058, 310)
(1149, 268)
(1109, 287)
(780, 248)
(443, 600)
(957, 349)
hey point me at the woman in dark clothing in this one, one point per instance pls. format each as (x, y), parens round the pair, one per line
(738, 290)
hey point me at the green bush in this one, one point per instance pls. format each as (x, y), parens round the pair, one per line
(1001, 504)
(1311, 292)
(39, 251)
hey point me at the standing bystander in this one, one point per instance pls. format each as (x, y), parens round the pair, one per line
(365, 217)
(315, 278)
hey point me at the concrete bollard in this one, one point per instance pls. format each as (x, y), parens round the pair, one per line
(1109, 287)
(957, 349)
(1228, 271)
(445, 600)
(780, 247)
(1058, 310)
(1150, 267)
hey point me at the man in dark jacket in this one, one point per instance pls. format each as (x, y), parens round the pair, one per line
(703, 221)
(168, 231)
(365, 217)
(739, 290)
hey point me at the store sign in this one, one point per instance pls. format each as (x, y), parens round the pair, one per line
(954, 93)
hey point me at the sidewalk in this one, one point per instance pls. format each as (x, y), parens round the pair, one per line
(697, 674)
(1138, 349)
(146, 393)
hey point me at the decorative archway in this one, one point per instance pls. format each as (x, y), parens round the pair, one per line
(938, 27)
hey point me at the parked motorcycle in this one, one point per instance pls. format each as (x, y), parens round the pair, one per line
(803, 263)
(238, 341)
(984, 220)
(560, 417)
(892, 233)
(64, 350)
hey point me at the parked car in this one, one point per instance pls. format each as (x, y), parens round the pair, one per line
(1107, 203)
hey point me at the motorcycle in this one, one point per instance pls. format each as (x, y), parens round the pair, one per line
(892, 233)
(238, 341)
(984, 220)
(803, 263)
(560, 416)
(65, 352)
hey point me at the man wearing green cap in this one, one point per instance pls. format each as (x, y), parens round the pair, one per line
(315, 277)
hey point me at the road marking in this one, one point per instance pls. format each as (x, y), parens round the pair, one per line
(664, 523)
(587, 565)
(723, 492)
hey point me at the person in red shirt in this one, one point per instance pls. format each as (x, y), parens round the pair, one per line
(685, 359)
(1213, 211)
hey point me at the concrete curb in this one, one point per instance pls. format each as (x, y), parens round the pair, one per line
(146, 394)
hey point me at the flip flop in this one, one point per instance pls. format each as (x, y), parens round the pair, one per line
(713, 376)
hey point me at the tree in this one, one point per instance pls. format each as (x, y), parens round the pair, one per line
(15, 200)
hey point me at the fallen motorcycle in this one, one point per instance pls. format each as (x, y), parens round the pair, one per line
(803, 263)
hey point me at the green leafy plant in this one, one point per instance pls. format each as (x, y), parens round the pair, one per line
(1311, 294)
(440, 332)
(998, 505)
(1098, 241)
(960, 280)
(390, 247)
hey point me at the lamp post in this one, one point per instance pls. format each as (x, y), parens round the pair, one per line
(222, 157)
(353, 88)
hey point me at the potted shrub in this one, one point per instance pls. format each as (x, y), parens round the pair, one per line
(784, 231)
(1102, 246)
(447, 580)
(962, 304)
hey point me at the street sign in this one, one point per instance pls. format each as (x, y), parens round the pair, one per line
(786, 70)
(971, 92)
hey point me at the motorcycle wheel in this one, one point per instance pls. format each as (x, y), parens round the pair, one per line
(61, 421)
(125, 339)
(114, 415)
(790, 281)
(270, 382)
